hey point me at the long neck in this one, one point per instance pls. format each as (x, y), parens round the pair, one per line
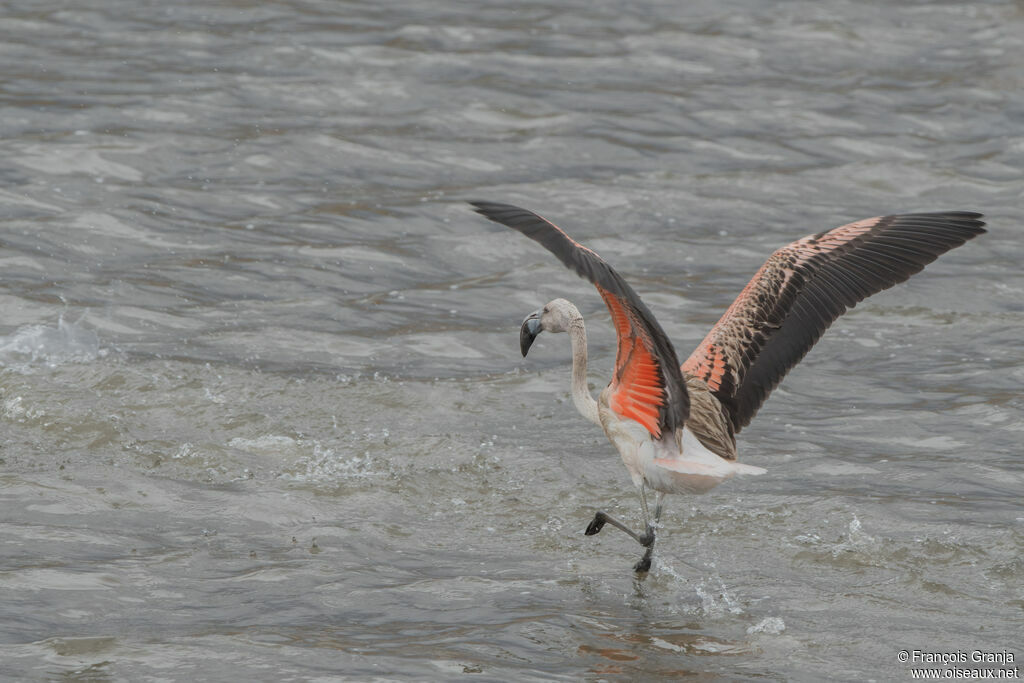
(585, 403)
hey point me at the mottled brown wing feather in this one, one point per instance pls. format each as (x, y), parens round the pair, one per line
(803, 288)
(648, 384)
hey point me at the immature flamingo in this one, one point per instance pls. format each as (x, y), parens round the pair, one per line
(675, 426)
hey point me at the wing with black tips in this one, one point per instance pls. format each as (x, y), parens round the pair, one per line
(803, 288)
(647, 386)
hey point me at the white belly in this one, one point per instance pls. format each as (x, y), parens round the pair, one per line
(662, 466)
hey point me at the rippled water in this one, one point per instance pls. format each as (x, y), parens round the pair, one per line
(262, 410)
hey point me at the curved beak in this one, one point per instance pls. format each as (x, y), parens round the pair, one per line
(529, 331)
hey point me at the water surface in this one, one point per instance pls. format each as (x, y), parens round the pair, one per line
(262, 410)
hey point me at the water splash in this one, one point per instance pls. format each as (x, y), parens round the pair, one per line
(33, 345)
(857, 540)
(716, 599)
(325, 466)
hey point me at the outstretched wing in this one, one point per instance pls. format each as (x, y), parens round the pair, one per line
(803, 288)
(648, 385)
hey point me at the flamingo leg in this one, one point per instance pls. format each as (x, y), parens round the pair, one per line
(646, 539)
(644, 565)
(602, 518)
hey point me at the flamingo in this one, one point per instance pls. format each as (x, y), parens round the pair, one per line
(675, 424)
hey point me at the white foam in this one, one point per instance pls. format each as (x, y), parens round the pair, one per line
(268, 444)
(770, 625)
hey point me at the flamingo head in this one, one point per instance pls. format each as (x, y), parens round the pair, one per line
(556, 316)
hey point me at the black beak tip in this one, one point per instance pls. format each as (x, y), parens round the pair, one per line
(525, 340)
(528, 332)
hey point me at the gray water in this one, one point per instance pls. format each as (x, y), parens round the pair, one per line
(262, 410)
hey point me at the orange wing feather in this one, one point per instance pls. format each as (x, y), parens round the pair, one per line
(638, 387)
